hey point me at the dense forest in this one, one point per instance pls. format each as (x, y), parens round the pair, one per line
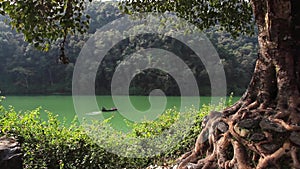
(25, 70)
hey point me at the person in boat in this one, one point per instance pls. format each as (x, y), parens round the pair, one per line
(111, 109)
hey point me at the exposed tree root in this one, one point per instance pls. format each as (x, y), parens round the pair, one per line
(272, 158)
(240, 156)
(264, 125)
(287, 126)
(296, 163)
(251, 133)
(233, 108)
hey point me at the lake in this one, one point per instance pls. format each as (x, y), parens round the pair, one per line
(64, 108)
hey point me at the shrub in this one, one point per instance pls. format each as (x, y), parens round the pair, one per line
(50, 144)
(148, 129)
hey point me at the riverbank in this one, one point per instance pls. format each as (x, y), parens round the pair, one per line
(49, 144)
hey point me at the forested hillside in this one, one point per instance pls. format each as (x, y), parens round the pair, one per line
(25, 70)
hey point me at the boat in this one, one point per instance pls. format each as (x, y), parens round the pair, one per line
(108, 110)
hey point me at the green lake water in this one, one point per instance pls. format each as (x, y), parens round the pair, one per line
(64, 108)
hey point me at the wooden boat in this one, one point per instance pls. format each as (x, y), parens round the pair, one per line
(108, 110)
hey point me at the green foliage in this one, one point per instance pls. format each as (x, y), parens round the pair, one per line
(2, 109)
(50, 144)
(151, 129)
(45, 144)
(44, 22)
(148, 129)
(25, 70)
(234, 16)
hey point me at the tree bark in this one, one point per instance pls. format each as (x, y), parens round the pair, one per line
(264, 125)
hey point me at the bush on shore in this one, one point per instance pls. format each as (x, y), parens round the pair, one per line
(53, 145)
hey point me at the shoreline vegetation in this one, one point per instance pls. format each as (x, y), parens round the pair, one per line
(64, 105)
(50, 144)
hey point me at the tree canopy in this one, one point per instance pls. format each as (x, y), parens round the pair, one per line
(26, 70)
(234, 16)
(44, 22)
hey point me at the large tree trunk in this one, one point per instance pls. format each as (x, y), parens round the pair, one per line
(262, 130)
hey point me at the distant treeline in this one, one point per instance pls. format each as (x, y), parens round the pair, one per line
(25, 70)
